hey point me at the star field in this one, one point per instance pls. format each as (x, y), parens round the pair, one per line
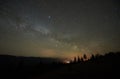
(59, 28)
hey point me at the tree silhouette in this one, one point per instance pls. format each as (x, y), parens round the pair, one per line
(84, 56)
(92, 57)
(81, 59)
(78, 60)
(75, 60)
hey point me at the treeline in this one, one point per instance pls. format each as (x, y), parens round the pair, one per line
(113, 57)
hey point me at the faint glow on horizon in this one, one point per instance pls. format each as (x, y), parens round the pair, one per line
(66, 61)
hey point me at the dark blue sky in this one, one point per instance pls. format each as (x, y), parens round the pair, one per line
(59, 28)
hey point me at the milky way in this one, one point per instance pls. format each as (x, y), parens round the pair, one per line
(59, 28)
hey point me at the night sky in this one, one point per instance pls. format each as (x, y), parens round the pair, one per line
(59, 28)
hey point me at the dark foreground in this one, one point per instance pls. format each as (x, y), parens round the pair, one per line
(100, 67)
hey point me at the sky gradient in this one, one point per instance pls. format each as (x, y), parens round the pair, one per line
(59, 28)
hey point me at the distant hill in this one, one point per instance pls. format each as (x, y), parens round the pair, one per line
(9, 59)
